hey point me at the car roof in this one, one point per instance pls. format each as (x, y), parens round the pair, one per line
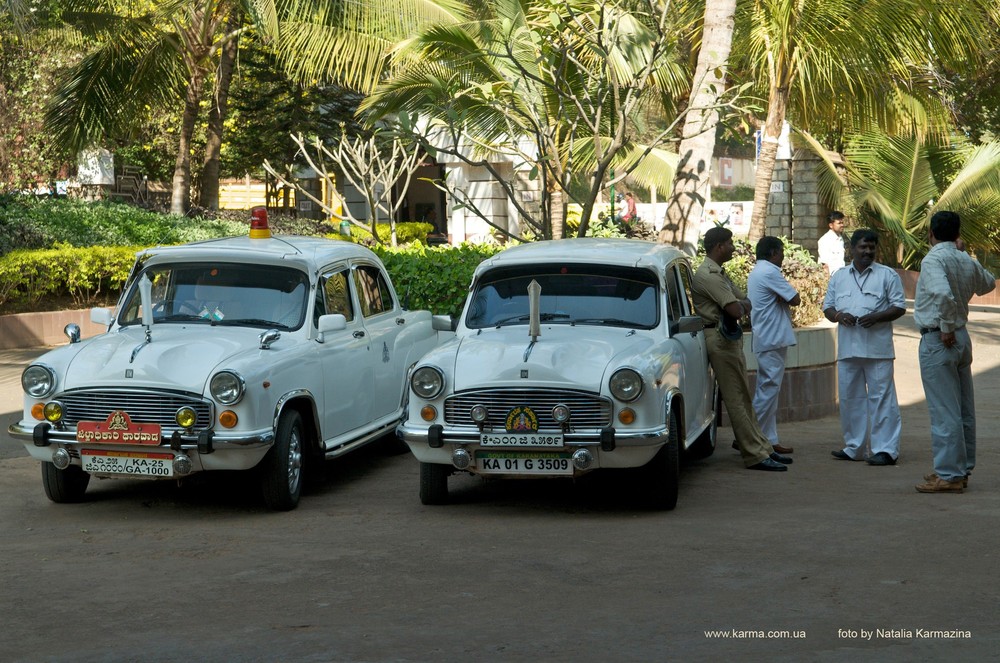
(593, 250)
(308, 252)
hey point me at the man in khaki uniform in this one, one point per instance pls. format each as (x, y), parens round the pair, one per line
(716, 296)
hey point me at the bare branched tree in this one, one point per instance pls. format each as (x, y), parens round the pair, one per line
(379, 165)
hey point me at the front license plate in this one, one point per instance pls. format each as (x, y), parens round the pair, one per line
(127, 463)
(499, 462)
(520, 440)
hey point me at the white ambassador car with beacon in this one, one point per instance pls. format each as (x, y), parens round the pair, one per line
(259, 352)
(570, 356)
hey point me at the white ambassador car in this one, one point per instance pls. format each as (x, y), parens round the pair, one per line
(249, 352)
(570, 355)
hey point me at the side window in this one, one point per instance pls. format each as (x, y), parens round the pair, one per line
(674, 295)
(685, 270)
(337, 294)
(373, 290)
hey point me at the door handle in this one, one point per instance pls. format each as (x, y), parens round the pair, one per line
(359, 334)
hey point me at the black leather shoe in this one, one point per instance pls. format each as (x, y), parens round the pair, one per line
(882, 458)
(840, 455)
(768, 465)
(778, 458)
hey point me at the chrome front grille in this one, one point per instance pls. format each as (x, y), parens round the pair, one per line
(587, 410)
(142, 407)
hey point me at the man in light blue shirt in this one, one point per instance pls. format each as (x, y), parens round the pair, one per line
(949, 277)
(770, 295)
(863, 299)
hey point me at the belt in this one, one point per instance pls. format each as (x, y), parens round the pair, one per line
(928, 330)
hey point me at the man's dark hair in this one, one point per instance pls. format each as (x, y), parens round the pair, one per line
(716, 236)
(834, 216)
(946, 226)
(864, 235)
(767, 246)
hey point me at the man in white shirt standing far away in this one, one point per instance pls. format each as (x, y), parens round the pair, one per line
(770, 295)
(831, 245)
(949, 278)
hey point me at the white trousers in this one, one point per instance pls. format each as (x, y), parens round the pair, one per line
(770, 372)
(869, 411)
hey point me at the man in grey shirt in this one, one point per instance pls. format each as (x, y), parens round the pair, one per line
(949, 278)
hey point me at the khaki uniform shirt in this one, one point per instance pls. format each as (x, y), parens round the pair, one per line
(712, 290)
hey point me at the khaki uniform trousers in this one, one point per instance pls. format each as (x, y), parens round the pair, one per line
(730, 369)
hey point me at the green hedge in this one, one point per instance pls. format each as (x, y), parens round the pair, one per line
(84, 275)
(30, 280)
(406, 233)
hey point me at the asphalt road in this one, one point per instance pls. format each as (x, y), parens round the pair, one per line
(831, 561)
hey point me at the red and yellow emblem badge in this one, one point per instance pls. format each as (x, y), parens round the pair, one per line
(522, 419)
(118, 428)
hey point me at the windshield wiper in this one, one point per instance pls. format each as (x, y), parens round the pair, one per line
(618, 322)
(542, 317)
(181, 317)
(252, 322)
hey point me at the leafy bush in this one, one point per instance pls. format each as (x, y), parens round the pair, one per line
(27, 222)
(88, 275)
(406, 233)
(802, 271)
(434, 278)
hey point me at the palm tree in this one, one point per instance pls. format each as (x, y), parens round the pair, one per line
(555, 86)
(850, 62)
(897, 182)
(697, 147)
(165, 56)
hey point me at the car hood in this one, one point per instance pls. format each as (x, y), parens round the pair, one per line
(575, 357)
(179, 357)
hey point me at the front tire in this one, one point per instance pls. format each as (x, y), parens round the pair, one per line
(434, 483)
(64, 486)
(281, 471)
(661, 475)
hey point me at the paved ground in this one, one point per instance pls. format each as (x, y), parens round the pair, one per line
(832, 561)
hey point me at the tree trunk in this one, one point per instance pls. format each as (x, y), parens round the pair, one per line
(209, 194)
(180, 195)
(693, 177)
(558, 213)
(776, 107)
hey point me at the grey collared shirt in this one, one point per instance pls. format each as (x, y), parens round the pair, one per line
(948, 280)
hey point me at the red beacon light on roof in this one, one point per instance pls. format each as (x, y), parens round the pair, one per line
(259, 229)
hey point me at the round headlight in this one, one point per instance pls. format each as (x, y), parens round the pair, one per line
(227, 387)
(53, 411)
(560, 413)
(38, 381)
(185, 417)
(625, 385)
(427, 382)
(479, 413)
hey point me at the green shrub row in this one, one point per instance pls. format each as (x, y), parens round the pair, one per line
(83, 275)
(27, 222)
(95, 275)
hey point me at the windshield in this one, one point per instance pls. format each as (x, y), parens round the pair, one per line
(221, 294)
(570, 294)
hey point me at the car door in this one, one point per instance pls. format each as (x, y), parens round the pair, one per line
(383, 322)
(346, 357)
(694, 354)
